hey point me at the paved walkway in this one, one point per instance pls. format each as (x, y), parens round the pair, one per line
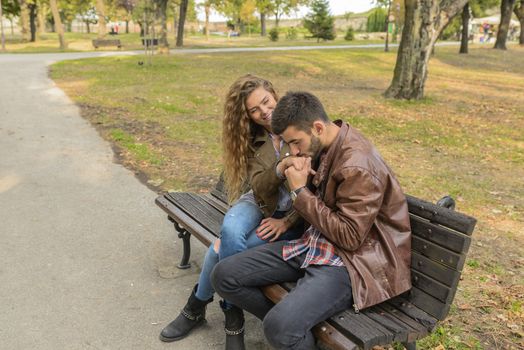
(87, 260)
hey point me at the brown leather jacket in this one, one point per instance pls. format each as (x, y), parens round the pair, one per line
(262, 174)
(364, 213)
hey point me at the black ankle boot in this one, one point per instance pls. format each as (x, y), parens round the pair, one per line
(234, 327)
(192, 315)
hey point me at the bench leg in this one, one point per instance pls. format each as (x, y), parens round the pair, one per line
(410, 346)
(185, 236)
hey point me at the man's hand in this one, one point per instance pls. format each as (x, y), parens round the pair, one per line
(291, 161)
(272, 228)
(297, 176)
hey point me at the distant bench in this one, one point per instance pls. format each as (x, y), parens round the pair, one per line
(106, 42)
(440, 241)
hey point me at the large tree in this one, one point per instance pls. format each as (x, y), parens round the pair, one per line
(181, 22)
(263, 8)
(101, 12)
(464, 38)
(424, 21)
(506, 9)
(59, 29)
(161, 13)
(519, 12)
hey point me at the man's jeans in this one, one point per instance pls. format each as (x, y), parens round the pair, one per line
(321, 292)
(236, 235)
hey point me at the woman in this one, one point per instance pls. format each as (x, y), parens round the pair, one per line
(262, 214)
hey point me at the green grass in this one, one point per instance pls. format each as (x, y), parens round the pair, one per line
(137, 149)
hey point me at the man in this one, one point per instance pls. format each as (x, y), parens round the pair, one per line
(356, 253)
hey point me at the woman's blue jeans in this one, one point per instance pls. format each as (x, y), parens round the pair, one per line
(238, 233)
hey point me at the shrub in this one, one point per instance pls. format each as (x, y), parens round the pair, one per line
(350, 34)
(273, 34)
(292, 33)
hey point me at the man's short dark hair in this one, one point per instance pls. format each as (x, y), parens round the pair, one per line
(299, 109)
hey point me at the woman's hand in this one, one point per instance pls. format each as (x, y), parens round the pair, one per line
(271, 229)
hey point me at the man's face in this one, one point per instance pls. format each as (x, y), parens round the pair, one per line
(301, 143)
(260, 105)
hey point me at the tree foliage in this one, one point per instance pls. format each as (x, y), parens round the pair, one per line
(319, 22)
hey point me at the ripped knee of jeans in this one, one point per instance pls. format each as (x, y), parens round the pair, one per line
(216, 246)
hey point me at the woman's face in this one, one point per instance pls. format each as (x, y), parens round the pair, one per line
(260, 105)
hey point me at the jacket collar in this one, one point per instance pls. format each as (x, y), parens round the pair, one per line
(327, 158)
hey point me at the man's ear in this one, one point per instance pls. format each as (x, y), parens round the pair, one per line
(318, 127)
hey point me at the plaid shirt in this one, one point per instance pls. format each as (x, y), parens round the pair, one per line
(319, 251)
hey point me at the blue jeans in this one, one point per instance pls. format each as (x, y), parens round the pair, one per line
(238, 233)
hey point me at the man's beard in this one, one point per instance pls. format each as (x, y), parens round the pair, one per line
(315, 149)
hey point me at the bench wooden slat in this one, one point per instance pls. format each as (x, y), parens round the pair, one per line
(362, 330)
(422, 319)
(399, 329)
(431, 286)
(429, 304)
(218, 204)
(440, 235)
(192, 226)
(443, 216)
(416, 330)
(199, 210)
(438, 254)
(435, 270)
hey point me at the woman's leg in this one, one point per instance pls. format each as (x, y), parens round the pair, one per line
(205, 289)
(239, 223)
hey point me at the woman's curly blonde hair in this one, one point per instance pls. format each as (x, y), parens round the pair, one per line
(238, 131)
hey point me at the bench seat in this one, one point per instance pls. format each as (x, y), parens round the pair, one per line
(440, 241)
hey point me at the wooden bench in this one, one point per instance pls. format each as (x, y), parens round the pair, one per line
(106, 42)
(440, 241)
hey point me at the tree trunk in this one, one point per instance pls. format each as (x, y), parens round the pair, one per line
(386, 47)
(263, 24)
(101, 12)
(32, 21)
(207, 10)
(127, 26)
(162, 11)
(519, 12)
(465, 30)
(42, 10)
(24, 19)
(88, 28)
(506, 9)
(181, 22)
(58, 24)
(424, 21)
(2, 35)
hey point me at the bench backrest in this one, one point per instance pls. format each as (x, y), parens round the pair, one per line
(440, 241)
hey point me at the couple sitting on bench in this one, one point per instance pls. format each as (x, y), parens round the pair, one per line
(323, 210)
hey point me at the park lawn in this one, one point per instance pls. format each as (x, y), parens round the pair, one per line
(466, 139)
(48, 42)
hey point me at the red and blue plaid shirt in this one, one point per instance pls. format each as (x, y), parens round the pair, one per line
(318, 250)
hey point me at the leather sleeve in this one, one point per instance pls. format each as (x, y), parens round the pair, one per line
(358, 200)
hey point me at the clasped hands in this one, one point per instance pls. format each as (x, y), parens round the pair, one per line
(297, 170)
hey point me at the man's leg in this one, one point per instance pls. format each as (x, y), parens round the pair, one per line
(238, 278)
(321, 293)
